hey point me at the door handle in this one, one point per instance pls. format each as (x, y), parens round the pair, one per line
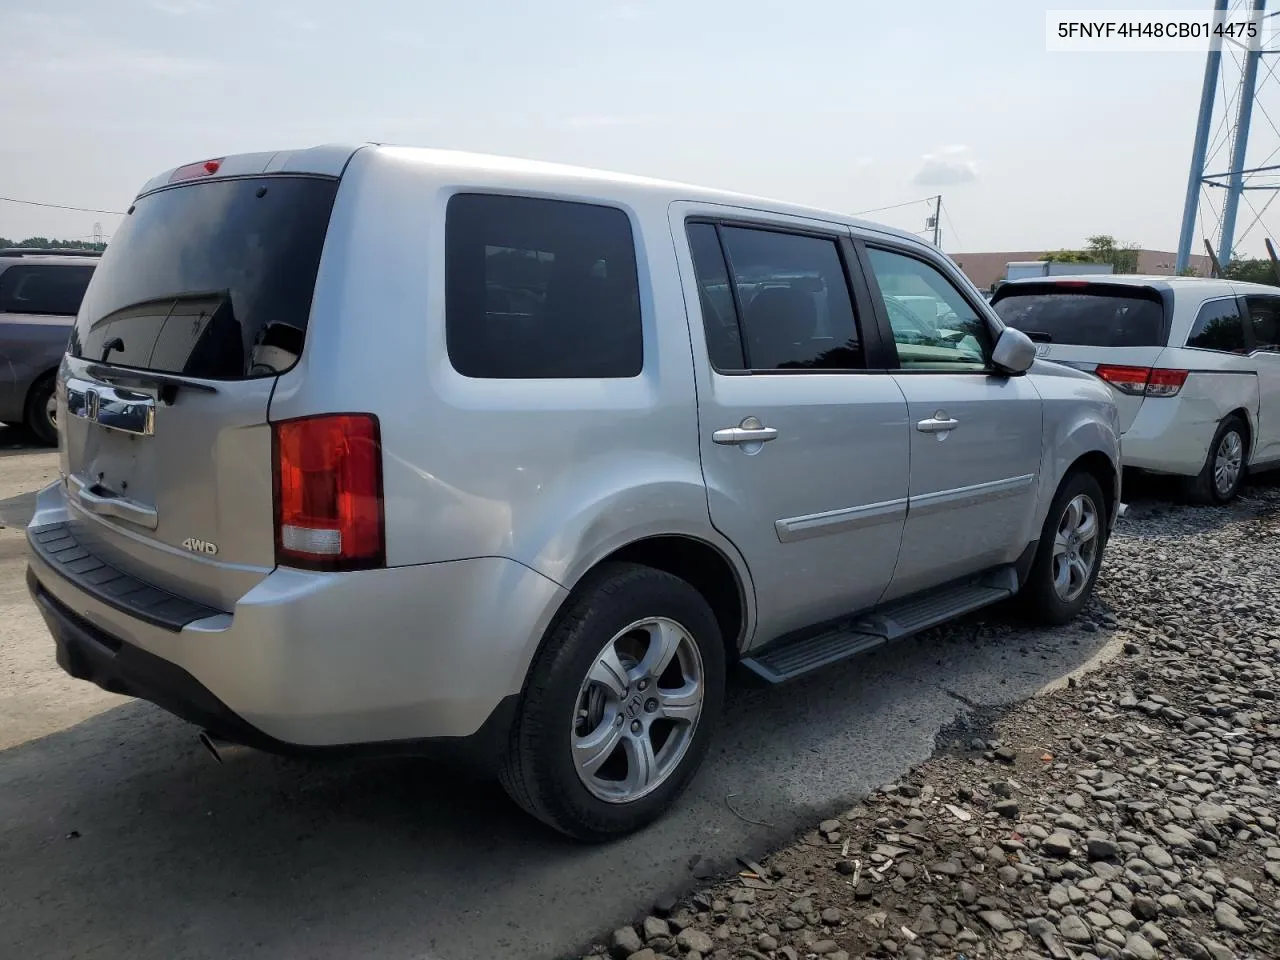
(749, 431)
(939, 423)
(121, 508)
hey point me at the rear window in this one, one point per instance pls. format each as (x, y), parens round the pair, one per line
(1090, 316)
(44, 288)
(210, 280)
(540, 289)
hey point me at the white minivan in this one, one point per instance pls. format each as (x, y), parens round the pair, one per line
(1194, 365)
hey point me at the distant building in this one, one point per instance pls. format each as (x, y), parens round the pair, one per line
(984, 269)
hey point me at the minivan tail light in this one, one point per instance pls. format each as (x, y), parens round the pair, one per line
(1143, 381)
(327, 474)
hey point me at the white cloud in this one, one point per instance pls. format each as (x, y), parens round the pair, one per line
(946, 166)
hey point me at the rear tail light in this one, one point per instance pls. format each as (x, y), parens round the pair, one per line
(1143, 381)
(328, 492)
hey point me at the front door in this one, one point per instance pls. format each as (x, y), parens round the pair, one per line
(804, 449)
(975, 435)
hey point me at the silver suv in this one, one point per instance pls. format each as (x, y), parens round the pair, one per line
(383, 450)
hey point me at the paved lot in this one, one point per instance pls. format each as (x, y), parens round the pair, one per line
(120, 837)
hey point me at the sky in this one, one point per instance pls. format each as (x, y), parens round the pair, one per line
(846, 105)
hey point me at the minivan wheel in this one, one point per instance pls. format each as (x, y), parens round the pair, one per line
(42, 412)
(1224, 467)
(1069, 555)
(619, 704)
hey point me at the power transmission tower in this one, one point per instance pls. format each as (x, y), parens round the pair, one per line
(1230, 138)
(97, 233)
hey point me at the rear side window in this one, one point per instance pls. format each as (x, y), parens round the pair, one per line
(1218, 327)
(44, 288)
(779, 302)
(540, 289)
(211, 279)
(1264, 319)
(1094, 315)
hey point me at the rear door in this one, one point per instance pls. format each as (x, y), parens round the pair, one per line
(200, 301)
(976, 435)
(1085, 325)
(803, 433)
(1263, 335)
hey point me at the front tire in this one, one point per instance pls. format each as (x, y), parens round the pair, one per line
(619, 705)
(1219, 479)
(1069, 555)
(41, 415)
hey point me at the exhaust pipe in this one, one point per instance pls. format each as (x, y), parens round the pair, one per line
(220, 749)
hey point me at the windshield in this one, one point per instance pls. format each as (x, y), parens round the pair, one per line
(1093, 315)
(210, 280)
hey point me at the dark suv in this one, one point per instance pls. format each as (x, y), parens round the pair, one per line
(40, 294)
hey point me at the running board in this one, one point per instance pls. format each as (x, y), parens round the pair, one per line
(786, 661)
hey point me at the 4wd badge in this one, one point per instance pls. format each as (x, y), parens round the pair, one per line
(200, 546)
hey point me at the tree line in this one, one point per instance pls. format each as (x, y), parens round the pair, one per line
(45, 243)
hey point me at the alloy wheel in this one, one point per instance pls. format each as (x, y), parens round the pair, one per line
(637, 710)
(1075, 547)
(1227, 461)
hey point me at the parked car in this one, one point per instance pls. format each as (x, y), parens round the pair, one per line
(516, 459)
(1194, 366)
(40, 292)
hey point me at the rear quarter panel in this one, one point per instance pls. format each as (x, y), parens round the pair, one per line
(31, 345)
(1217, 384)
(552, 474)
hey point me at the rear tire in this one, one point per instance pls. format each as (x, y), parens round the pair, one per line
(40, 413)
(1219, 479)
(598, 691)
(1069, 555)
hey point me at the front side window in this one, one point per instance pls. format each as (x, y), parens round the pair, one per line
(792, 300)
(1264, 318)
(934, 327)
(44, 288)
(1218, 327)
(540, 289)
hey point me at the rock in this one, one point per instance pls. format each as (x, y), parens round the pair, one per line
(1057, 845)
(1074, 929)
(740, 911)
(996, 920)
(1123, 919)
(824, 947)
(1211, 812)
(645, 954)
(1218, 951)
(829, 826)
(1099, 849)
(1171, 904)
(624, 942)
(766, 943)
(1144, 908)
(691, 940)
(1007, 809)
(1006, 755)
(801, 906)
(654, 927)
(1157, 856)
(1225, 916)
(831, 916)
(846, 867)
(1140, 949)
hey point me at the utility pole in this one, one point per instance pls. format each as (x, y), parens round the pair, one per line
(935, 221)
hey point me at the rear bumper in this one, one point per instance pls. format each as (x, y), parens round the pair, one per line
(1170, 435)
(378, 661)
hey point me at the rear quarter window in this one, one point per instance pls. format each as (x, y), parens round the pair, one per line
(540, 289)
(1089, 316)
(1218, 327)
(44, 288)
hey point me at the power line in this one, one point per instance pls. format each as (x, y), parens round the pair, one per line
(893, 206)
(951, 225)
(62, 206)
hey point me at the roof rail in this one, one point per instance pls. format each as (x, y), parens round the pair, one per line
(47, 252)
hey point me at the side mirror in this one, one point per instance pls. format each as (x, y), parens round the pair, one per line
(1014, 352)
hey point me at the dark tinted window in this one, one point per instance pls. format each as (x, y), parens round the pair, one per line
(934, 326)
(44, 288)
(796, 311)
(1264, 318)
(1218, 327)
(540, 288)
(719, 317)
(211, 279)
(1092, 316)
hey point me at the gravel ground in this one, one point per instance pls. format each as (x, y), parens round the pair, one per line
(1129, 814)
